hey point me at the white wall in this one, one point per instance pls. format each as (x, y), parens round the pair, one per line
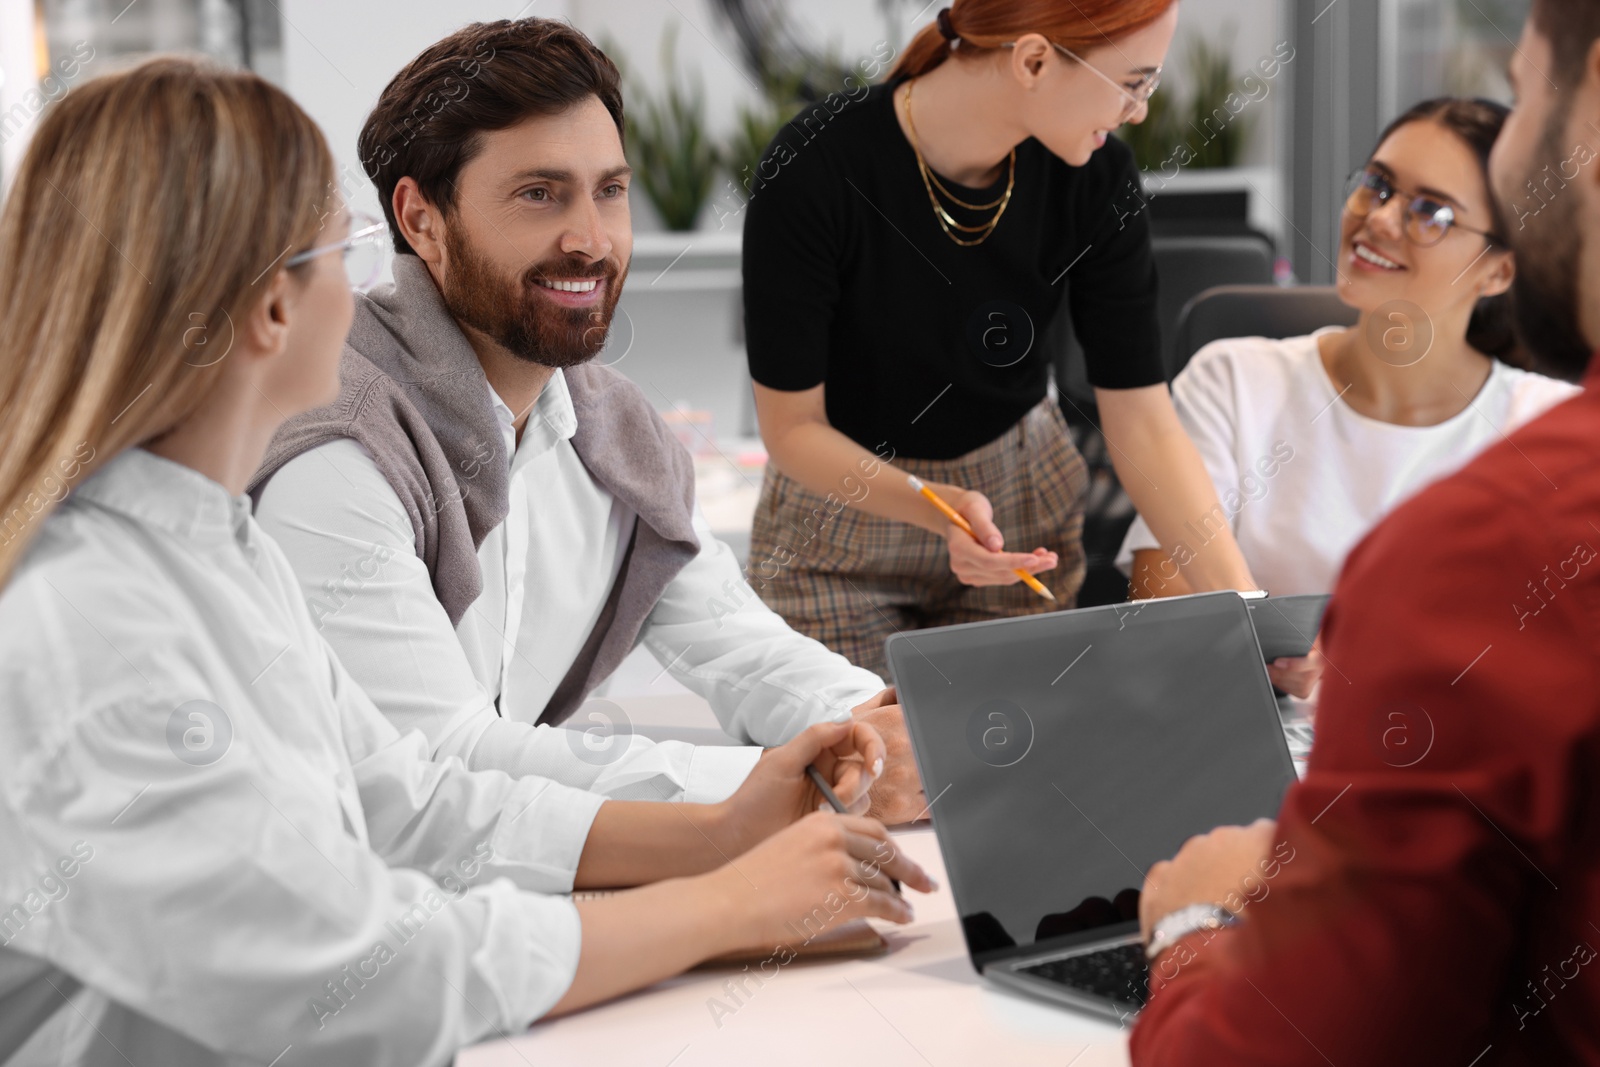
(709, 52)
(1256, 32)
(338, 57)
(18, 77)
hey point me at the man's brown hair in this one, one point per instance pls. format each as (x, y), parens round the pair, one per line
(1571, 27)
(430, 120)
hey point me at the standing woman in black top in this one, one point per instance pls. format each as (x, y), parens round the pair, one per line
(903, 255)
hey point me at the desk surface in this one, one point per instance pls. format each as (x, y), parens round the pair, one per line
(918, 1004)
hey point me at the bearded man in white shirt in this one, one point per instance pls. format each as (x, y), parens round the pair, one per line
(485, 523)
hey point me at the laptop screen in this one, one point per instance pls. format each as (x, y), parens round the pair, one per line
(1064, 754)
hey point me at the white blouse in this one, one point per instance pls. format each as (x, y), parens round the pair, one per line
(213, 848)
(1300, 475)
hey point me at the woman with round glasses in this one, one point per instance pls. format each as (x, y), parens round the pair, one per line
(1311, 440)
(906, 249)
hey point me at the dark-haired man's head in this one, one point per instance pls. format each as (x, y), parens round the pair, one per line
(498, 156)
(1546, 171)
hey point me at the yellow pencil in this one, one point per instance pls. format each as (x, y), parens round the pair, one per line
(955, 516)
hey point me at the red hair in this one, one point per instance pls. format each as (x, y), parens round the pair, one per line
(983, 25)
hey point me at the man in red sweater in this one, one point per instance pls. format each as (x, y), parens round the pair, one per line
(1431, 890)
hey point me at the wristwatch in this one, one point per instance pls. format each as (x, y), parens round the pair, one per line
(1172, 928)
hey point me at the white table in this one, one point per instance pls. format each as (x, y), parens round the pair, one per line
(918, 1004)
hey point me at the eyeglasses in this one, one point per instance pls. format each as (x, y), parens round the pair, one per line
(1134, 98)
(1427, 219)
(363, 251)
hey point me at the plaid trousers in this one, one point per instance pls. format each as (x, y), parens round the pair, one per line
(850, 579)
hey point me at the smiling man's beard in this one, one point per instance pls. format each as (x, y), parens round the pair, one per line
(522, 322)
(1544, 291)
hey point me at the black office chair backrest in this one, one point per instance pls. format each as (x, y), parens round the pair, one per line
(1257, 311)
(1184, 266)
(1209, 315)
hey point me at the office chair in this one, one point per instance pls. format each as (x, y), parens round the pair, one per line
(1185, 266)
(1217, 312)
(1257, 311)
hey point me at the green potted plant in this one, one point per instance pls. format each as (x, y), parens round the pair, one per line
(758, 123)
(1215, 135)
(671, 152)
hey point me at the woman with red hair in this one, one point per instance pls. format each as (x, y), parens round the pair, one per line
(904, 253)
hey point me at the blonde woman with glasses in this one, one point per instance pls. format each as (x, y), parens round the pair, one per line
(213, 848)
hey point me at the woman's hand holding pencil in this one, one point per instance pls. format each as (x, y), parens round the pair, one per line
(976, 543)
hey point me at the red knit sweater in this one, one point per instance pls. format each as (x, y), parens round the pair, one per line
(1442, 902)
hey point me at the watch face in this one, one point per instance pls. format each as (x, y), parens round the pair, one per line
(1188, 920)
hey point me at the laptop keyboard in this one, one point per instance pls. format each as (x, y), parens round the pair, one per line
(1119, 973)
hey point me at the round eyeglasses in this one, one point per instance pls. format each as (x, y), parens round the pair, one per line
(363, 251)
(1133, 98)
(1427, 219)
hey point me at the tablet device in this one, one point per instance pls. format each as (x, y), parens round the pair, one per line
(1287, 625)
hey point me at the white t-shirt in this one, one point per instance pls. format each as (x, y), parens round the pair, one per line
(1300, 474)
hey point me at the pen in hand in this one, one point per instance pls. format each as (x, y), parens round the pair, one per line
(833, 802)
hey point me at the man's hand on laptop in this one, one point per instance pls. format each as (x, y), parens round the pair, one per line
(849, 755)
(1226, 867)
(1297, 675)
(897, 796)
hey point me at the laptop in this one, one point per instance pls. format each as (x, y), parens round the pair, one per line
(1064, 754)
(1287, 625)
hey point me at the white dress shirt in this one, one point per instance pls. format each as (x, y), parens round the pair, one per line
(213, 848)
(476, 689)
(1301, 475)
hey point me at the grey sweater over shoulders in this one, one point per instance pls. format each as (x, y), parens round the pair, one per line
(412, 392)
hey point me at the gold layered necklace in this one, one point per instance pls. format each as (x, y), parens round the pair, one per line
(931, 182)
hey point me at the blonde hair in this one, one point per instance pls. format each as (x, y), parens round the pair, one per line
(144, 222)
